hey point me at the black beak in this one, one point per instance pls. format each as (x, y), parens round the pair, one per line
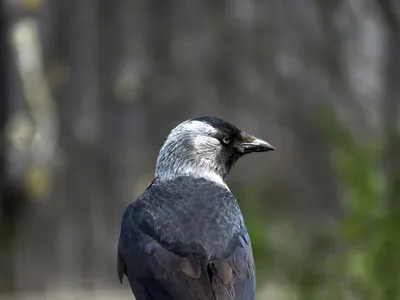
(253, 144)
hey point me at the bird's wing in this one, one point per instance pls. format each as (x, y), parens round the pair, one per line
(232, 275)
(156, 273)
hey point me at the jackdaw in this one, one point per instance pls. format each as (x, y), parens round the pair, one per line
(184, 238)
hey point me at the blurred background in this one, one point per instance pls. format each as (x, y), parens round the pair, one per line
(90, 89)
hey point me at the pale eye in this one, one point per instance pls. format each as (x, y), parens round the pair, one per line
(226, 140)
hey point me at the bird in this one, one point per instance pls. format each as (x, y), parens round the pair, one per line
(185, 237)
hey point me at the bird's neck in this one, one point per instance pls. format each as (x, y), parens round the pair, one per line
(196, 168)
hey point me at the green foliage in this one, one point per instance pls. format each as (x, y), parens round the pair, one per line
(361, 260)
(256, 226)
(371, 227)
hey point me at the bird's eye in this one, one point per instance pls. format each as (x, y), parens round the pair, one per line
(226, 140)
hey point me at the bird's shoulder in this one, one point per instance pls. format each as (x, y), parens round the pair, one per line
(188, 211)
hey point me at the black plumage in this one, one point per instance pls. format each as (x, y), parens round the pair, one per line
(185, 238)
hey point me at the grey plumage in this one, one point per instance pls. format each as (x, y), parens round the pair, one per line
(184, 237)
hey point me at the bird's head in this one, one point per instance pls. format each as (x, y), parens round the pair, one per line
(205, 147)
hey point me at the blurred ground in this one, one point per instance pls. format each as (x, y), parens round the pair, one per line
(269, 292)
(68, 294)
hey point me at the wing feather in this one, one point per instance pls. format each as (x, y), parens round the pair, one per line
(189, 277)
